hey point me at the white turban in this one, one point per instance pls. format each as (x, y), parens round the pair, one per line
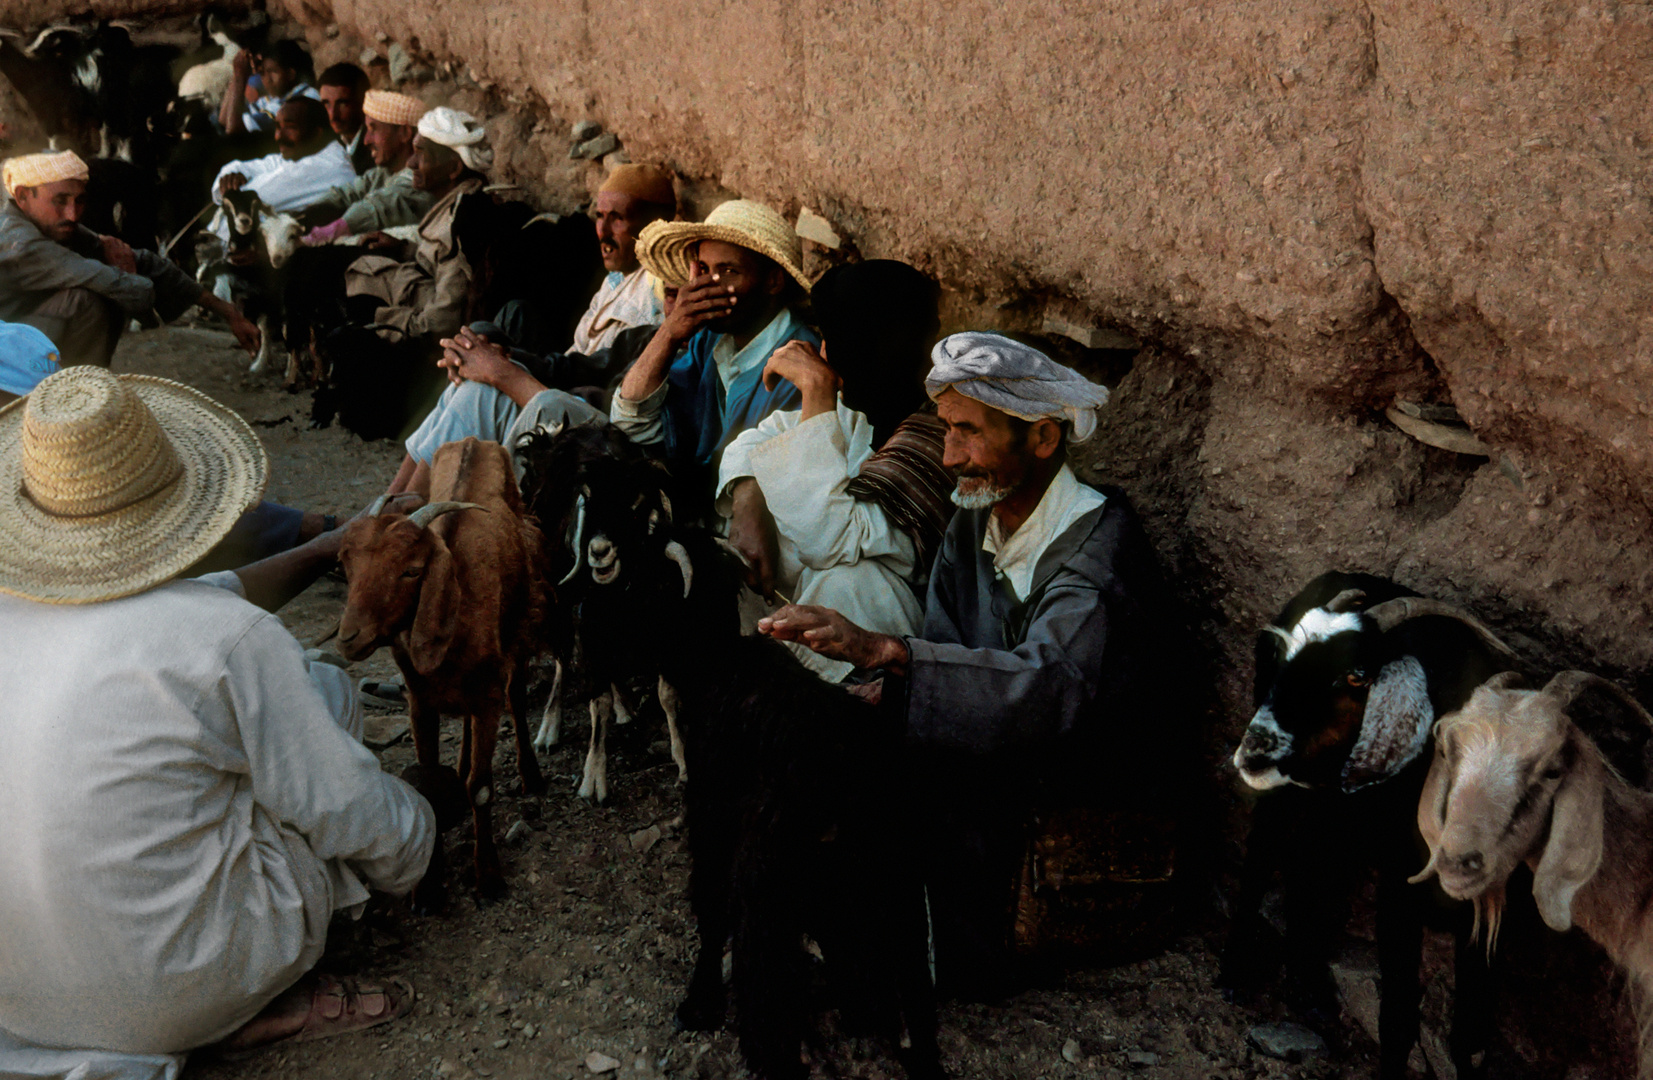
(1016, 379)
(460, 132)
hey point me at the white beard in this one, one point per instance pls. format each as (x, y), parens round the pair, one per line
(978, 493)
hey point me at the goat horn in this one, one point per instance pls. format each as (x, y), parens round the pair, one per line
(1426, 873)
(1391, 613)
(378, 505)
(431, 511)
(1567, 686)
(579, 538)
(666, 505)
(1285, 638)
(547, 216)
(678, 554)
(1347, 600)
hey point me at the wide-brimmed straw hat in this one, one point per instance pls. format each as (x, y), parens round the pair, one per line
(663, 246)
(110, 485)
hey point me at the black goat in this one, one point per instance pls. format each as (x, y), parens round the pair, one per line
(1349, 682)
(796, 801)
(550, 266)
(376, 388)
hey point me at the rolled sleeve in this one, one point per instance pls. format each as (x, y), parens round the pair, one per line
(641, 420)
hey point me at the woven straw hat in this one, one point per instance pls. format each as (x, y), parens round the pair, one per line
(663, 246)
(112, 485)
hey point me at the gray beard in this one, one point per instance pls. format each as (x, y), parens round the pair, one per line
(978, 493)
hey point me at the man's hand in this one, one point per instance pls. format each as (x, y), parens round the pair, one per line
(378, 241)
(117, 254)
(326, 234)
(232, 181)
(801, 365)
(241, 67)
(246, 332)
(469, 356)
(699, 302)
(830, 634)
(752, 534)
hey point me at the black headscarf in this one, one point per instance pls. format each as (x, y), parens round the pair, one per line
(878, 319)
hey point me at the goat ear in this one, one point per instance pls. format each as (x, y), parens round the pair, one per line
(1432, 808)
(433, 622)
(1395, 726)
(1573, 852)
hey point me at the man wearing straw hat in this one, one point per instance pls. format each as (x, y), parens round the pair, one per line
(1032, 679)
(187, 803)
(700, 382)
(76, 287)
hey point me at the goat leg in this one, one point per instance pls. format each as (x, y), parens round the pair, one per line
(1472, 1004)
(670, 702)
(425, 724)
(594, 782)
(769, 975)
(1400, 950)
(484, 731)
(622, 715)
(550, 733)
(712, 837)
(528, 766)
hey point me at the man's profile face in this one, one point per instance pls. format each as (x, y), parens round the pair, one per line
(434, 165)
(619, 218)
(292, 132)
(986, 449)
(279, 79)
(344, 109)
(751, 276)
(388, 143)
(54, 208)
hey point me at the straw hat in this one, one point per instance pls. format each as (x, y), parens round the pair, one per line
(112, 485)
(663, 246)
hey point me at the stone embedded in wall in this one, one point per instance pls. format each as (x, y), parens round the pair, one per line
(591, 149)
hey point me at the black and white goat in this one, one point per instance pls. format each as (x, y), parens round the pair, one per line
(568, 476)
(796, 803)
(1349, 682)
(247, 270)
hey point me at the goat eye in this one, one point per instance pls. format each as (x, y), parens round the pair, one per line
(413, 571)
(1357, 678)
(1553, 773)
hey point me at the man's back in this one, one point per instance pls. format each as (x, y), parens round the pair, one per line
(167, 768)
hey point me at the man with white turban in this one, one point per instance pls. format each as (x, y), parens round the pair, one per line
(421, 292)
(1037, 634)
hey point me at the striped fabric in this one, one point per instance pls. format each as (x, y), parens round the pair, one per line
(907, 479)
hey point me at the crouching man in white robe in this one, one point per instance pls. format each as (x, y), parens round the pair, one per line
(186, 800)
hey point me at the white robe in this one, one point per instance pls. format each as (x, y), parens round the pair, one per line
(835, 550)
(184, 811)
(290, 186)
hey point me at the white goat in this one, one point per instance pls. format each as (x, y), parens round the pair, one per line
(1515, 779)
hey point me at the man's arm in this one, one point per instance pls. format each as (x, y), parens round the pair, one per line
(697, 304)
(392, 205)
(443, 314)
(235, 94)
(36, 264)
(294, 185)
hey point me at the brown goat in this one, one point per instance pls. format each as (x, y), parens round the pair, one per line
(1516, 779)
(455, 589)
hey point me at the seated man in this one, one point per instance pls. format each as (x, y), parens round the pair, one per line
(308, 163)
(75, 286)
(281, 70)
(490, 386)
(700, 382)
(814, 516)
(342, 89)
(421, 292)
(1029, 677)
(187, 801)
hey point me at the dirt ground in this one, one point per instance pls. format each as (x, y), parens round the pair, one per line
(591, 949)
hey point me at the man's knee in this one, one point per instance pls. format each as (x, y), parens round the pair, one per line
(83, 324)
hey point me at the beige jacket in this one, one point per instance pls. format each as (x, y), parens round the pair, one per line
(426, 294)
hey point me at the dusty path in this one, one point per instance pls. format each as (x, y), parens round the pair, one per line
(590, 950)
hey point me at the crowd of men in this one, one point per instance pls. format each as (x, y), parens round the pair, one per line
(188, 802)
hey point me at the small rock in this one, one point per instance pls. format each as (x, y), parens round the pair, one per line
(1072, 1053)
(615, 160)
(529, 1031)
(383, 730)
(368, 56)
(1142, 1059)
(812, 226)
(586, 130)
(600, 1063)
(1288, 1042)
(517, 832)
(401, 64)
(500, 1044)
(595, 148)
(332, 31)
(644, 839)
(381, 37)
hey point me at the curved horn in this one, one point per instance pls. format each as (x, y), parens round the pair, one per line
(378, 505)
(1391, 613)
(579, 538)
(1285, 638)
(1567, 686)
(1347, 600)
(666, 505)
(678, 554)
(553, 218)
(431, 511)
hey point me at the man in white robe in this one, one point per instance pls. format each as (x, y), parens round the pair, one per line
(308, 166)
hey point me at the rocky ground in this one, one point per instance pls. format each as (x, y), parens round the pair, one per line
(581, 966)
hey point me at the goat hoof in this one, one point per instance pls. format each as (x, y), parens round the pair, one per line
(429, 899)
(695, 1015)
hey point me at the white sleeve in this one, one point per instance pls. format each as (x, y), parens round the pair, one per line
(805, 474)
(309, 773)
(224, 579)
(299, 184)
(737, 464)
(252, 169)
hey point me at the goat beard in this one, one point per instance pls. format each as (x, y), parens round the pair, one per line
(979, 492)
(1489, 915)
